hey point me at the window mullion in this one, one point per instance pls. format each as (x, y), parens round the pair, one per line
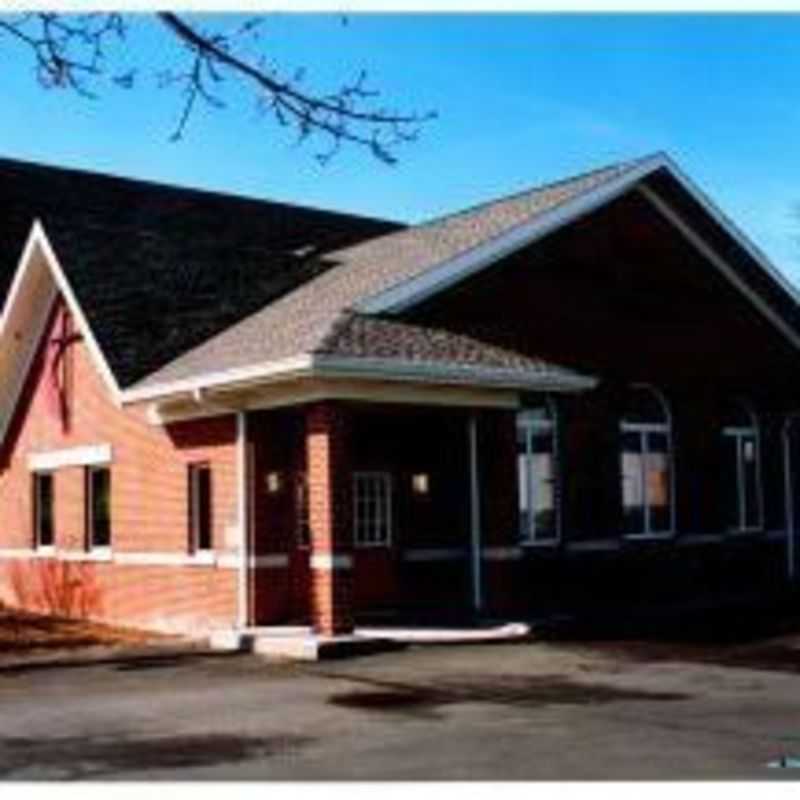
(740, 479)
(533, 500)
(643, 470)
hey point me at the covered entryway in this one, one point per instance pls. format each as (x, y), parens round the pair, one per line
(368, 510)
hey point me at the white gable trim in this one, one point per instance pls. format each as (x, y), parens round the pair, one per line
(77, 312)
(22, 377)
(440, 277)
(37, 250)
(710, 255)
(410, 292)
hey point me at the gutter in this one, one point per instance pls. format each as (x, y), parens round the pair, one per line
(324, 366)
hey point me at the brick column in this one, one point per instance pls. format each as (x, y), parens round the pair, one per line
(501, 551)
(329, 474)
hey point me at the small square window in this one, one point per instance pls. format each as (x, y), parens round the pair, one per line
(372, 503)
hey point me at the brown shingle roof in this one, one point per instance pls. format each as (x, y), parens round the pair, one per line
(359, 336)
(303, 320)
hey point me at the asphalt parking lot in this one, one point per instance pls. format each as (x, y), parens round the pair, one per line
(542, 710)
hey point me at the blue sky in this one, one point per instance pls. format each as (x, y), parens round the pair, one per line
(521, 99)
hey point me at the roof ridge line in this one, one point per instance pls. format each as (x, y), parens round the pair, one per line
(618, 165)
(149, 183)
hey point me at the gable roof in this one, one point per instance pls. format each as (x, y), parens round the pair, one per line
(390, 273)
(301, 321)
(157, 269)
(186, 290)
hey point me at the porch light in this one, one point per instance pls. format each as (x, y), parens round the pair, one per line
(274, 482)
(420, 483)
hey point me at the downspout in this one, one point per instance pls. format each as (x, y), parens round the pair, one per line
(200, 396)
(789, 498)
(242, 517)
(475, 513)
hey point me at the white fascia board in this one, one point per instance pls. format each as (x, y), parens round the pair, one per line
(333, 367)
(711, 255)
(413, 290)
(730, 227)
(77, 312)
(85, 456)
(237, 377)
(40, 330)
(498, 378)
(24, 265)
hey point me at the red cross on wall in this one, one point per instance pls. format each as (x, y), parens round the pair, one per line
(59, 367)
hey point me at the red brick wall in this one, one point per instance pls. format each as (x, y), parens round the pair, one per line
(149, 507)
(329, 470)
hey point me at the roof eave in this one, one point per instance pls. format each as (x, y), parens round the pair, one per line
(379, 369)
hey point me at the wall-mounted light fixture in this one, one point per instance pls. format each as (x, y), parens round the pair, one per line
(274, 482)
(420, 483)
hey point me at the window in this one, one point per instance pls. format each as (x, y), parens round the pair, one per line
(301, 514)
(43, 509)
(372, 499)
(741, 496)
(645, 452)
(98, 507)
(200, 524)
(536, 472)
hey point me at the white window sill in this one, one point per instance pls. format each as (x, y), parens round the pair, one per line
(648, 537)
(48, 551)
(593, 545)
(202, 558)
(97, 554)
(545, 543)
(735, 532)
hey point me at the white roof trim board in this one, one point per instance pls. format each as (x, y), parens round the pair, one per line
(22, 312)
(322, 366)
(414, 290)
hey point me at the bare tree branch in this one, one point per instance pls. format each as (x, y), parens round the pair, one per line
(70, 53)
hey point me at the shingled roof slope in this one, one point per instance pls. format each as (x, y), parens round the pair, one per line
(159, 269)
(299, 322)
(360, 336)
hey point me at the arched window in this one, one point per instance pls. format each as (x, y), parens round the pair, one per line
(536, 469)
(646, 463)
(741, 496)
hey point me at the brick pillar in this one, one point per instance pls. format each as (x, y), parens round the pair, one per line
(329, 475)
(497, 456)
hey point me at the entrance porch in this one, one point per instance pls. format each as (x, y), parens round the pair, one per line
(361, 510)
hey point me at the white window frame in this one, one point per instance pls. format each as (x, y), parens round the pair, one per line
(194, 507)
(643, 429)
(739, 434)
(37, 505)
(531, 426)
(91, 547)
(359, 478)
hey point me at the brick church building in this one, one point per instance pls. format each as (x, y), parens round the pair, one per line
(225, 413)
